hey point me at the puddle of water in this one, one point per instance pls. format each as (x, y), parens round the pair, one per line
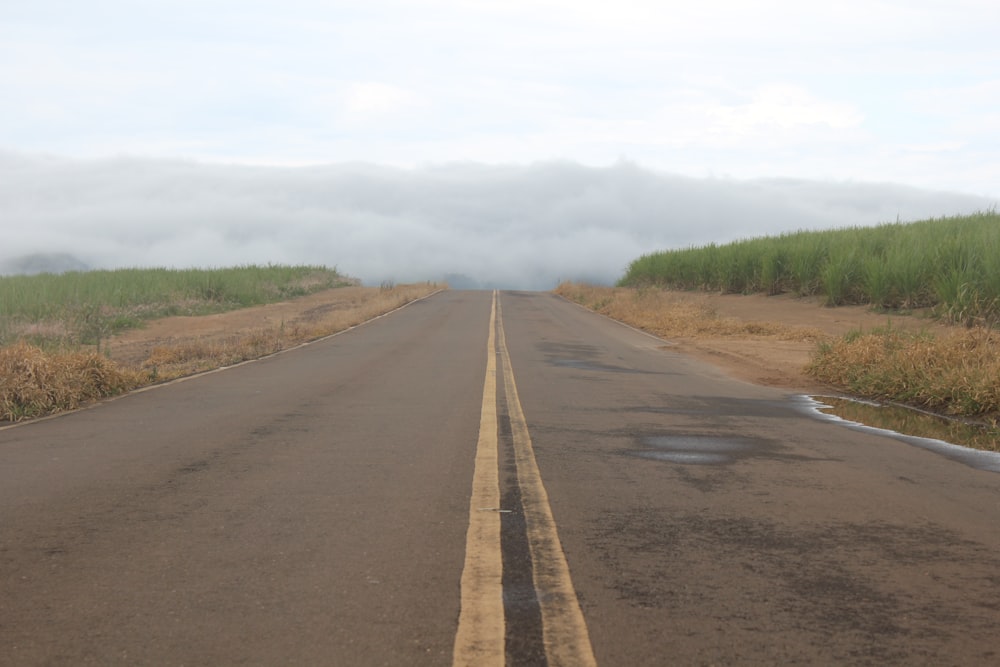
(913, 422)
(695, 458)
(698, 444)
(974, 444)
(696, 449)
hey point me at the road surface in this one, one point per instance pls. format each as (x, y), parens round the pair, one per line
(480, 480)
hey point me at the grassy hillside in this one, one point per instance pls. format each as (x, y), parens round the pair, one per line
(47, 363)
(75, 308)
(951, 265)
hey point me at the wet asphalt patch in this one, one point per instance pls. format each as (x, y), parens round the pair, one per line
(702, 449)
(696, 449)
(584, 358)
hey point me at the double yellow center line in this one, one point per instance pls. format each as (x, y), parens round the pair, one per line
(481, 627)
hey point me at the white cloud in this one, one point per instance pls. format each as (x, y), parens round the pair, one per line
(770, 88)
(936, 147)
(374, 98)
(785, 107)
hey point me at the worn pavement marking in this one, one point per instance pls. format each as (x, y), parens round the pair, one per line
(480, 636)
(564, 629)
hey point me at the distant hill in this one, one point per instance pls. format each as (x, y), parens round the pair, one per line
(42, 262)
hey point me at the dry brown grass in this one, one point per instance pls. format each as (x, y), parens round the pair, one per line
(183, 358)
(670, 315)
(957, 374)
(167, 362)
(34, 382)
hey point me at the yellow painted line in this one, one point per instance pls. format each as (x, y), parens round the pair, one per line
(480, 636)
(564, 630)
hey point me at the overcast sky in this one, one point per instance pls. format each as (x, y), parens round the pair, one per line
(714, 91)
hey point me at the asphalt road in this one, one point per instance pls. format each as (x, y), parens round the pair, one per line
(427, 489)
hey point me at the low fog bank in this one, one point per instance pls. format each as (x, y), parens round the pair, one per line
(518, 227)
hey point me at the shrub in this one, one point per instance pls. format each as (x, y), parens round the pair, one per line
(34, 382)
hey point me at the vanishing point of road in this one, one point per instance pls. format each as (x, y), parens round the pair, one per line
(483, 479)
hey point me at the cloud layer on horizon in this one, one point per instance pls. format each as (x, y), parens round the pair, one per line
(524, 227)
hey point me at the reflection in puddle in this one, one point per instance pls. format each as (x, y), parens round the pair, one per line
(913, 422)
(684, 457)
(697, 443)
(976, 446)
(696, 449)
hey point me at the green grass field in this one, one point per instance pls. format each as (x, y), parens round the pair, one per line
(51, 327)
(83, 307)
(948, 266)
(951, 265)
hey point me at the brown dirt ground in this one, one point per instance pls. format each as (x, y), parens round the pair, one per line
(780, 363)
(761, 360)
(315, 310)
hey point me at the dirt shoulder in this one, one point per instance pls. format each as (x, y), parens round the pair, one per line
(308, 316)
(766, 340)
(766, 359)
(780, 363)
